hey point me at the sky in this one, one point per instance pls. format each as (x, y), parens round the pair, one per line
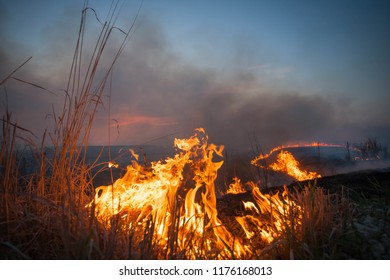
(270, 72)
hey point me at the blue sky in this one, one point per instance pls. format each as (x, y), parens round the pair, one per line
(285, 70)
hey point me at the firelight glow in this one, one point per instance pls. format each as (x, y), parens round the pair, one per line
(144, 120)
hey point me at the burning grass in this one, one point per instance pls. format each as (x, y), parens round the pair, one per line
(166, 210)
(187, 207)
(286, 162)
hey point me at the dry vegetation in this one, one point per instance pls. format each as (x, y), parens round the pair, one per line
(43, 213)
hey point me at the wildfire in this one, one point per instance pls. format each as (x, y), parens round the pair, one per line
(236, 187)
(175, 200)
(279, 209)
(284, 147)
(286, 162)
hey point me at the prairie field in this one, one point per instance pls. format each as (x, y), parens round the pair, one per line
(61, 198)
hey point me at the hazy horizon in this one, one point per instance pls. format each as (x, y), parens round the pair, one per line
(249, 72)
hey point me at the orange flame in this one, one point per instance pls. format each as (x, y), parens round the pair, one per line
(284, 147)
(236, 187)
(275, 208)
(286, 162)
(178, 195)
(156, 191)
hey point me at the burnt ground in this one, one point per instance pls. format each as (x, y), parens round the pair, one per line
(358, 185)
(367, 190)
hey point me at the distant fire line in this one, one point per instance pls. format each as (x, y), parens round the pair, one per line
(290, 146)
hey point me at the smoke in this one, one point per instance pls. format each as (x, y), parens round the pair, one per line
(153, 81)
(156, 92)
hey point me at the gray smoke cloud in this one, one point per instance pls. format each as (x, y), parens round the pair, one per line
(156, 92)
(154, 81)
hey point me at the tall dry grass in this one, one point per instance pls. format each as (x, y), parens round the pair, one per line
(43, 214)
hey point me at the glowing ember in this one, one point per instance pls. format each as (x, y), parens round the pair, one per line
(175, 200)
(112, 164)
(285, 162)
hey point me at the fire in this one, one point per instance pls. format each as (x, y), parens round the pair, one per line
(175, 200)
(271, 216)
(286, 162)
(284, 147)
(161, 191)
(236, 187)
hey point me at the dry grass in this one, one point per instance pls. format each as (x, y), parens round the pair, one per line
(43, 214)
